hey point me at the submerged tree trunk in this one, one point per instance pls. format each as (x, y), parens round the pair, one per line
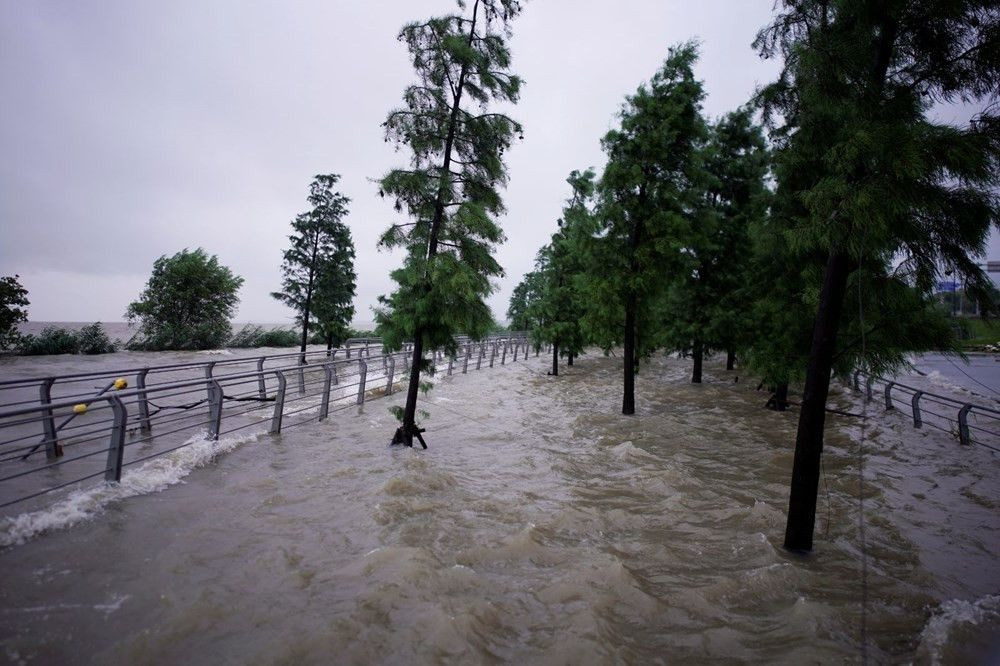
(779, 402)
(405, 433)
(730, 359)
(812, 417)
(555, 359)
(628, 395)
(698, 355)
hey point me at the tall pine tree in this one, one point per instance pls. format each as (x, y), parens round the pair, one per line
(875, 177)
(646, 196)
(450, 192)
(318, 277)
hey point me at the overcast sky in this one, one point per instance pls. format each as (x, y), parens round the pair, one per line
(129, 130)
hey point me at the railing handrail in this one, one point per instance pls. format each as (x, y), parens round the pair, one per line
(28, 381)
(954, 401)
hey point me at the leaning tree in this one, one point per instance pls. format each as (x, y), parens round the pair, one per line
(875, 177)
(450, 192)
(318, 277)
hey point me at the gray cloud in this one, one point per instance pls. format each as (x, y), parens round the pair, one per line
(131, 130)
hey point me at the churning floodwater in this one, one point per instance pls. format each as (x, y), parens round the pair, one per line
(541, 526)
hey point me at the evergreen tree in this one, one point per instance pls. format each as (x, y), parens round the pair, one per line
(318, 268)
(874, 177)
(519, 312)
(450, 191)
(561, 265)
(647, 194)
(702, 310)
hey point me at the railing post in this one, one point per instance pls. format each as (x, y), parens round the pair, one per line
(324, 407)
(208, 375)
(517, 344)
(493, 352)
(482, 353)
(503, 358)
(279, 403)
(888, 395)
(915, 403)
(855, 384)
(468, 354)
(52, 447)
(362, 376)
(451, 362)
(868, 388)
(116, 447)
(347, 348)
(391, 374)
(214, 409)
(261, 384)
(302, 374)
(963, 424)
(143, 401)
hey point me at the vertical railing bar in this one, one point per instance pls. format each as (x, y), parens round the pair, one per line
(261, 384)
(324, 407)
(963, 424)
(279, 403)
(215, 409)
(915, 404)
(362, 376)
(116, 447)
(142, 400)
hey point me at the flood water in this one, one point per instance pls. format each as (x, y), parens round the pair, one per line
(541, 526)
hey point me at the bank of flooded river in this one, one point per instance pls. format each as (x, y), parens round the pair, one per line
(540, 527)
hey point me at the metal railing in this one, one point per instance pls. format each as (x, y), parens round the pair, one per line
(58, 432)
(971, 423)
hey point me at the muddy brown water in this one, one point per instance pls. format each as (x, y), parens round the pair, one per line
(540, 527)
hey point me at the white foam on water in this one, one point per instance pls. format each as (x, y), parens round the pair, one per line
(150, 477)
(952, 614)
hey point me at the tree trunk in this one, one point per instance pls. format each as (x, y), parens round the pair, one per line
(779, 402)
(812, 417)
(555, 359)
(698, 355)
(730, 359)
(404, 435)
(628, 396)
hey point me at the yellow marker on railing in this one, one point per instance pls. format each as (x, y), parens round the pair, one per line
(80, 408)
(120, 383)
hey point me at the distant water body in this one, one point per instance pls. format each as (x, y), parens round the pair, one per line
(123, 331)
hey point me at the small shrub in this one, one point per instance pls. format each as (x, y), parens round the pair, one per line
(93, 339)
(52, 340)
(252, 336)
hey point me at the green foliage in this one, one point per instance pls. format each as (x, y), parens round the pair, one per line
(13, 310)
(450, 192)
(863, 171)
(91, 339)
(252, 336)
(187, 303)
(318, 278)
(703, 310)
(646, 197)
(559, 297)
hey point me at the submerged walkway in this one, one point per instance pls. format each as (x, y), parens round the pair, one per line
(541, 526)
